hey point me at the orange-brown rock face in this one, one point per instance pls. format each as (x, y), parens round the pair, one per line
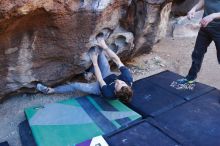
(181, 7)
(148, 20)
(47, 40)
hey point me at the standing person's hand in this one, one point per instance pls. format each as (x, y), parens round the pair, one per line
(191, 14)
(206, 20)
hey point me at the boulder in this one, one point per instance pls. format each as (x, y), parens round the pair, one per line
(182, 7)
(148, 20)
(47, 41)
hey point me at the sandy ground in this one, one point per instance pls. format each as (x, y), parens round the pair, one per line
(169, 53)
(175, 54)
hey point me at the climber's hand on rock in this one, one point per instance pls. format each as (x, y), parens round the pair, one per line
(101, 41)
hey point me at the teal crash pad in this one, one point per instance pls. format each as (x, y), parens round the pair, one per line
(76, 120)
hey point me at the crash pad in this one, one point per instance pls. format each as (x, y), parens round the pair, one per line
(166, 78)
(72, 121)
(198, 120)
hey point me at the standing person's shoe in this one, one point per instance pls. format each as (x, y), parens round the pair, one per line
(42, 88)
(185, 81)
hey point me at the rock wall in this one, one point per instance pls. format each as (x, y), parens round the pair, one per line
(181, 7)
(47, 41)
(148, 21)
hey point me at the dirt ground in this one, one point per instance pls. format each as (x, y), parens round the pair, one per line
(175, 54)
(169, 53)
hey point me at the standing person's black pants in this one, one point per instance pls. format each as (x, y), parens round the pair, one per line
(204, 38)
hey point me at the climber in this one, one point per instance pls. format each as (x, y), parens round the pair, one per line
(108, 84)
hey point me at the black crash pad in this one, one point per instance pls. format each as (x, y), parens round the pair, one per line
(26, 134)
(151, 100)
(164, 80)
(198, 120)
(140, 134)
(4, 143)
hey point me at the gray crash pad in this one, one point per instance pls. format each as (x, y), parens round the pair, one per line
(151, 100)
(166, 78)
(198, 120)
(141, 133)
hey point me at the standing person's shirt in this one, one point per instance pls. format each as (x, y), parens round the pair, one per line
(212, 6)
(108, 90)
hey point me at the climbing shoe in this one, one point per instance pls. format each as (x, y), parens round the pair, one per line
(42, 88)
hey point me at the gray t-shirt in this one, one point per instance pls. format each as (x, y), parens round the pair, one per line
(212, 6)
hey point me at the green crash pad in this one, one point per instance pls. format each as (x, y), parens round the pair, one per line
(73, 121)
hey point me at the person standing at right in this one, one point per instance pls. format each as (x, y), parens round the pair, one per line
(209, 31)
